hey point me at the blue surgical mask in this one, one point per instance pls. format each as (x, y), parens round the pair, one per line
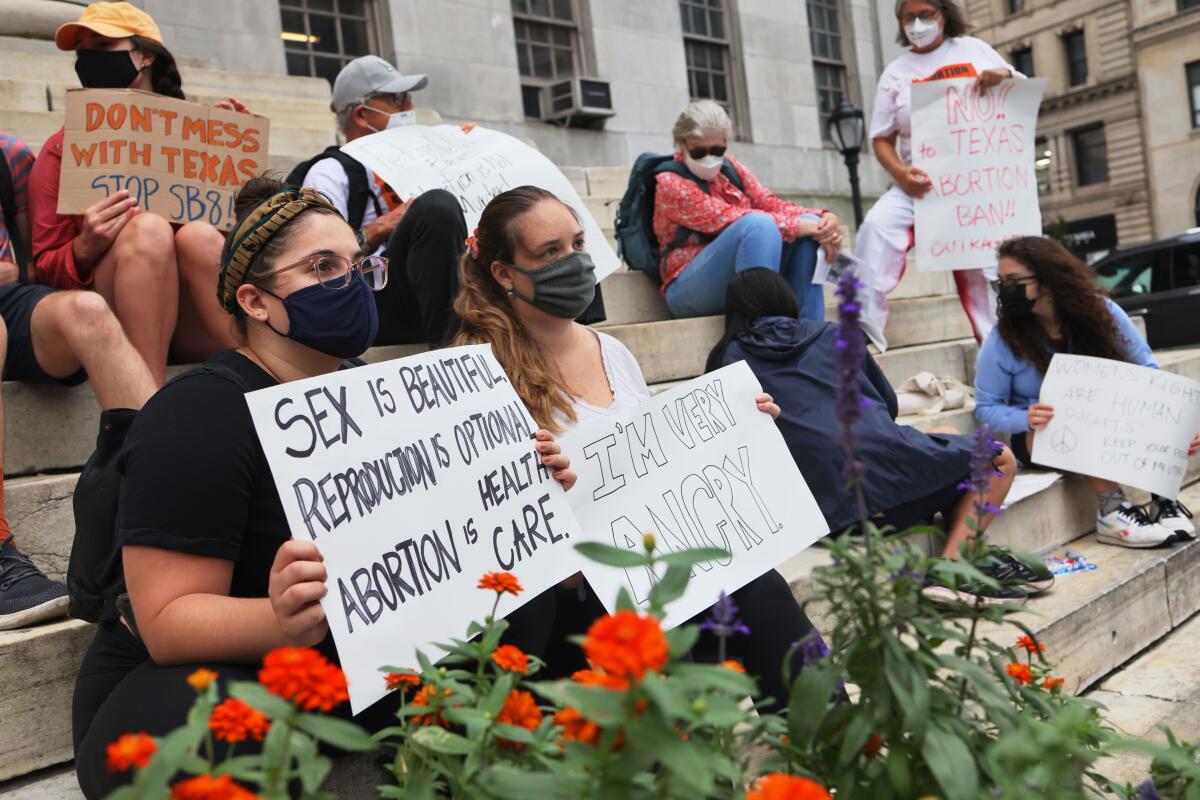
(337, 322)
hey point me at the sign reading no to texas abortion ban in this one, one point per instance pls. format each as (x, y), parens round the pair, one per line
(180, 160)
(1118, 421)
(977, 148)
(697, 466)
(414, 477)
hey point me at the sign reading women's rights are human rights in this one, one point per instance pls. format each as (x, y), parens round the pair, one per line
(977, 149)
(413, 478)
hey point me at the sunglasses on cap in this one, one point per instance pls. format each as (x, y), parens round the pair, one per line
(698, 153)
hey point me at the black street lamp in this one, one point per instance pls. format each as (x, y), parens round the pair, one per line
(846, 131)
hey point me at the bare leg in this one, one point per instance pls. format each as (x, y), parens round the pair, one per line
(137, 277)
(947, 429)
(204, 328)
(73, 329)
(957, 528)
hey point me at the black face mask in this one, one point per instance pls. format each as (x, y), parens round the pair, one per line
(105, 69)
(1014, 302)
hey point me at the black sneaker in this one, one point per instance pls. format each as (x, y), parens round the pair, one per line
(26, 595)
(1174, 516)
(1034, 577)
(970, 592)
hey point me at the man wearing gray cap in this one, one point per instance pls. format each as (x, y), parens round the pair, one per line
(422, 237)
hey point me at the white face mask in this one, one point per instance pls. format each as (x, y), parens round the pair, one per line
(401, 119)
(706, 168)
(922, 34)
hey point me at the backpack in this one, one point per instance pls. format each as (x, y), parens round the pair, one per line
(8, 202)
(360, 190)
(636, 243)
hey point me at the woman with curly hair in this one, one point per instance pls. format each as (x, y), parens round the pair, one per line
(1049, 303)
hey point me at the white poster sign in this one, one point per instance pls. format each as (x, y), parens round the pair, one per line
(1118, 421)
(698, 466)
(474, 167)
(413, 477)
(977, 148)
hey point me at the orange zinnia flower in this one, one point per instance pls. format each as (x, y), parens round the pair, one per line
(520, 710)
(1031, 645)
(1020, 673)
(589, 677)
(511, 658)
(501, 582)
(201, 678)
(402, 680)
(235, 721)
(873, 746)
(626, 644)
(778, 786)
(1053, 684)
(736, 666)
(130, 750)
(422, 698)
(576, 727)
(206, 787)
(305, 677)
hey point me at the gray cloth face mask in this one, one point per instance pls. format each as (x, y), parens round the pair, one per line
(563, 288)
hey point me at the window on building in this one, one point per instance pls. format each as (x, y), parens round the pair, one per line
(1076, 50)
(1022, 61)
(1016, 6)
(547, 37)
(1043, 162)
(1193, 80)
(322, 36)
(1091, 155)
(1184, 5)
(829, 57)
(707, 45)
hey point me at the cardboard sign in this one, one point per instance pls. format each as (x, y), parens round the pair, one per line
(977, 149)
(698, 466)
(474, 167)
(180, 160)
(1118, 421)
(414, 477)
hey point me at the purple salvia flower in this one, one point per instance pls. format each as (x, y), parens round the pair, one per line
(984, 449)
(723, 621)
(812, 649)
(1147, 790)
(852, 349)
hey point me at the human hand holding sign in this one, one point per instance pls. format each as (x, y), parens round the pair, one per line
(555, 460)
(990, 77)
(767, 405)
(233, 104)
(296, 586)
(915, 182)
(1039, 415)
(1194, 446)
(102, 222)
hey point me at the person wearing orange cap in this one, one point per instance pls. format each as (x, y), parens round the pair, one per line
(157, 277)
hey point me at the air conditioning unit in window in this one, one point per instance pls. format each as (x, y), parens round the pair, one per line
(577, 101)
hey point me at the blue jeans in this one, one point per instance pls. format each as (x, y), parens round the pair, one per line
(751, 241)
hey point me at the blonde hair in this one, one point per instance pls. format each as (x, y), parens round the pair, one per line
(487, 316)
(701, 117)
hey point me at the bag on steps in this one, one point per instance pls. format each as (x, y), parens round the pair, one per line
(927, 394)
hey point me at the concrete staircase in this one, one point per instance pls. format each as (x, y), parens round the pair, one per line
(1092, 622)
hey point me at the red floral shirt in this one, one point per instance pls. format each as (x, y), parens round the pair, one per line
(679, 202)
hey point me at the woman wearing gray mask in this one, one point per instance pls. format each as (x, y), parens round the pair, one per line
(525, 276)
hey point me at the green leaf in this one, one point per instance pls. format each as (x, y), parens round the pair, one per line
(952, 764)
(340, 733)
(811, 693)
(695, 677)
(255, 695)
(625, 600)
(508, 781)
(681, 640)
(313, 772)
(612, 556)
(499, 693)
(513, 733)
(688, 558)
(440, 740)
(671, 586)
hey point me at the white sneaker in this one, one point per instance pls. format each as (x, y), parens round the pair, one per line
(1129, 526)
(1174, 516)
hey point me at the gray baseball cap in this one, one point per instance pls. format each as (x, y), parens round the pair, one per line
(369, 75)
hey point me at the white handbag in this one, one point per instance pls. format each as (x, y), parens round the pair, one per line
(926, 394)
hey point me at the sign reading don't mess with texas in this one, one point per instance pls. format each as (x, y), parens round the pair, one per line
(180, 160)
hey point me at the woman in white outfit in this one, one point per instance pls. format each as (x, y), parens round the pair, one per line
(935, 32)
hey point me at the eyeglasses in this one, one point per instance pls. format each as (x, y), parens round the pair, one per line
(1021, 281)
(924, 16)
(333, 272)
(698, 153)
(399, 99)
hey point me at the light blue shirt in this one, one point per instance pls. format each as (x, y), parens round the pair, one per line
(1005, 385)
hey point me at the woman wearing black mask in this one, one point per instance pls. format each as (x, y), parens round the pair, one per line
(1049, 303)
(156, 277)
(212, 575)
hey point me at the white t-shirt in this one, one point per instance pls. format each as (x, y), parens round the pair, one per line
(893, 99)
(624, 376)
(328, 176)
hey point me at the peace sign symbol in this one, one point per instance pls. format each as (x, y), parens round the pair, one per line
(1063, 441)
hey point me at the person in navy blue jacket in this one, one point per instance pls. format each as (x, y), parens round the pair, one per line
(911, 475)
(1049, 303)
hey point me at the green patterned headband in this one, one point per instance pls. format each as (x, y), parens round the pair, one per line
(245, 241)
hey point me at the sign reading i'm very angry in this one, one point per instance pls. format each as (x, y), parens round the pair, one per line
(414, 477)
(180, 160)
(977, 148)
(697, 466)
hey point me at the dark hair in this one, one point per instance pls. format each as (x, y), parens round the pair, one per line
(252, 193)
(1083, 315)
(954, 21)
(752, 294)
(164, 75)
(487, 315)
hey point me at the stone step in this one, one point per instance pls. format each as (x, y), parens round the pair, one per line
(53, 783)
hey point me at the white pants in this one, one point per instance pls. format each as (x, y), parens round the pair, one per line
(882, 245)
